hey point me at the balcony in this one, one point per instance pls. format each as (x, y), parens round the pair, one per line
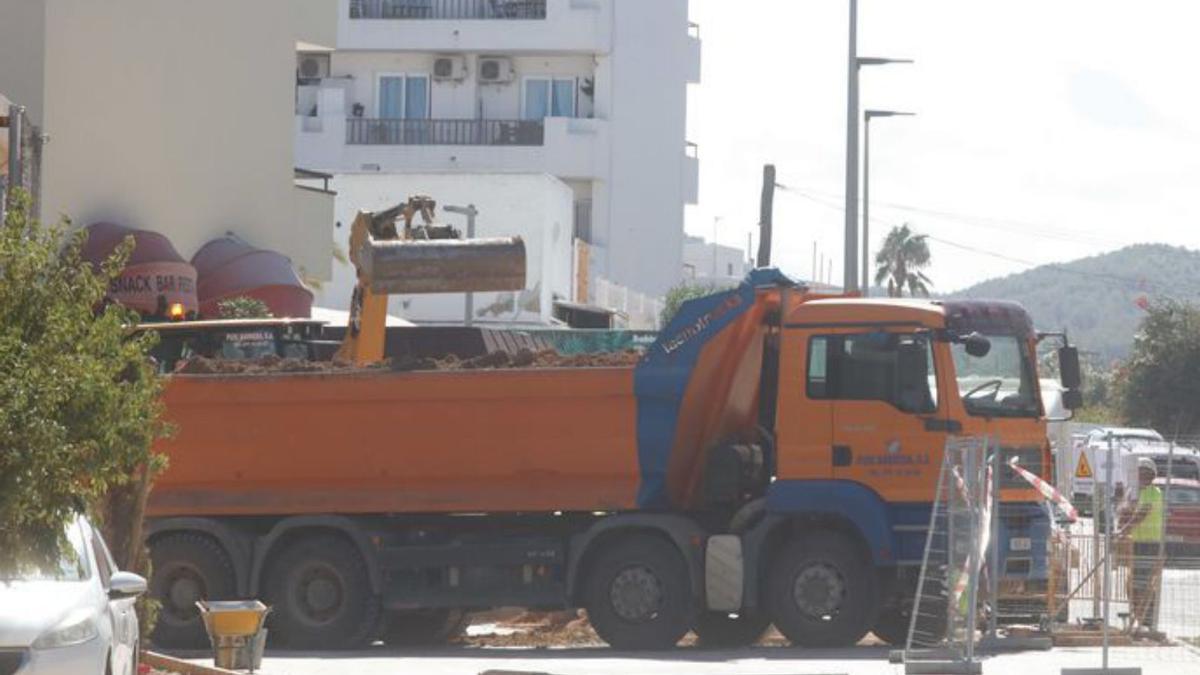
(482, 26)
(367, 131)
(448, 9)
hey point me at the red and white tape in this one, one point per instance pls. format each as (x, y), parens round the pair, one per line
(1048, 492)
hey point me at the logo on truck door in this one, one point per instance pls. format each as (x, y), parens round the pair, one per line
(892, 462)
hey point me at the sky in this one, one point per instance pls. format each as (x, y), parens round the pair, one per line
(1046, 130)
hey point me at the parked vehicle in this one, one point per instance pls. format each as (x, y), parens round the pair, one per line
(772, 458)
(1183, 521)
(1089, 462)
(75, 618)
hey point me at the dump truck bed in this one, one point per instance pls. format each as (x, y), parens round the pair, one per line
(515, 440)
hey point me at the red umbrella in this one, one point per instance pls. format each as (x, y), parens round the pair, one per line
(155, 276)
(229, 267)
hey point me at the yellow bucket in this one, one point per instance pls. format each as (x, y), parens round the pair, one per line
(233, 618)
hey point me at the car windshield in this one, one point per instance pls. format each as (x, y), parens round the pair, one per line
(71, 564)
(998, 384)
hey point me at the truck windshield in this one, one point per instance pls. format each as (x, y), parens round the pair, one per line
(999, 384)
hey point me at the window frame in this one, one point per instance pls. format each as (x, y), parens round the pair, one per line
(550, 79)
(404, 76)
(936, 394)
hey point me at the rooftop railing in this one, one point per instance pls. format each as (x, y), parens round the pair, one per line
(447, 9)
(378, 131)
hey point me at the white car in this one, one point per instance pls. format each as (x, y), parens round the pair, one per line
(77, 619)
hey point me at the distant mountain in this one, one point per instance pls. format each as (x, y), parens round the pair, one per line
(1097, 299)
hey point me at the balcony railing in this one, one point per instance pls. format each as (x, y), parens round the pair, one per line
(447, 9)
(374, 131)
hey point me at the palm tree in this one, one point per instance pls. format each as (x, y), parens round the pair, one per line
(900, 261)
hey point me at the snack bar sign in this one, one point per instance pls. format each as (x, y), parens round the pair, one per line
(140, 286)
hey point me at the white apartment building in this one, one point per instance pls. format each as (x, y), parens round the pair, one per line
(590, 92)
(705, 262)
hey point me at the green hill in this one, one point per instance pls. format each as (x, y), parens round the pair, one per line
(1096, 299)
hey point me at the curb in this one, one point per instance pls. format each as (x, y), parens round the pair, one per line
(183, 667)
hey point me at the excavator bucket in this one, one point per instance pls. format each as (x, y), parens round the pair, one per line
(443, 265)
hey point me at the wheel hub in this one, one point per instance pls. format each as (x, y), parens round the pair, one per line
(320, 594)
(184, 587)
(636, 594)
(818, 591)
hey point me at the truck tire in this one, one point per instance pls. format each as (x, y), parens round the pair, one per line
(719, 630)
(638, 595)
(187, 567)
(321, 595)
(821, 592)
(423, 627)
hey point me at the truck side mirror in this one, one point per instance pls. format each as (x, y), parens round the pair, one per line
(977, 345)
(1068, 368)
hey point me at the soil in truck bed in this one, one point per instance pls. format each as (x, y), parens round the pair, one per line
(524, 358)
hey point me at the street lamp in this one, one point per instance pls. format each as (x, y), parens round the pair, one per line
(866, 217)
(853, 64)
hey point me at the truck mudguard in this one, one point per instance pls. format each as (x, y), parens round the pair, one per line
(855, 502)
(697, 385)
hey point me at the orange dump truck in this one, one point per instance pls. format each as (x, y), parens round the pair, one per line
(772, 458)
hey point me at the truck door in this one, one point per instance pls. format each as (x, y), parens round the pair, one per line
(888, 421)
(804, 415)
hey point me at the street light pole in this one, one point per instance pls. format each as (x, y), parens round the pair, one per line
(851, 234)
(866, 217)
(470, 212)
(850, 258)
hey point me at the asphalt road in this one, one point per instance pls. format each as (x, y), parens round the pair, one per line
(756, 661)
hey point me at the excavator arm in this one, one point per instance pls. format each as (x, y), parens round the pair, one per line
(425, 258)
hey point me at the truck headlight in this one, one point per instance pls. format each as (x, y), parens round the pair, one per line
(77, 628)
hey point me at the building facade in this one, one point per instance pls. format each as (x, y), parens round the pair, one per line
(172, 116)
(591, 92)
(707, 263)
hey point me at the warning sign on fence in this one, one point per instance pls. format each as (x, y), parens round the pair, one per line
(1084, 470)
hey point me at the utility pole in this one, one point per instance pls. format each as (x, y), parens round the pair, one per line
(470, 212)
(766, 215)
(716, 219)
(851, 235)
(814, 263)
(868, 115)
(16, 173)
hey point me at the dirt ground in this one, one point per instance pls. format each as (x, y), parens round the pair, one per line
(524, 358)
(516, 628)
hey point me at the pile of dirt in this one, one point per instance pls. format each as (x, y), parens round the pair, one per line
(199, 365)
(540, 629)
(524, 358)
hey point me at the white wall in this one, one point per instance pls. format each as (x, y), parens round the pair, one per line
(536, 207)
(706, 263)
(642, 91)
(173, 115)
(23, 56)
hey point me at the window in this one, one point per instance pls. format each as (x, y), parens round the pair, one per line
(104, 562)
(999, 383)
(403, 97)
(890, 367)
(549, 97)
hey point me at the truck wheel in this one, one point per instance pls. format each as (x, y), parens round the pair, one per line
(423, 627)
(638, 595)
(321, 595)
(821, 593)
(187, 567)
(718, 629)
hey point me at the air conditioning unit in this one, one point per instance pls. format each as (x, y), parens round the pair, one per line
(449, 68)
(495, 70)
(312, 66)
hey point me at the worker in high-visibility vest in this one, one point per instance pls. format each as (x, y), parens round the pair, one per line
(1143, 524)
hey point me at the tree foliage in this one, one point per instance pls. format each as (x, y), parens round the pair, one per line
(79, 401)
(681, 294)
(900, 261)
(243, 307)
(1159, 385)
